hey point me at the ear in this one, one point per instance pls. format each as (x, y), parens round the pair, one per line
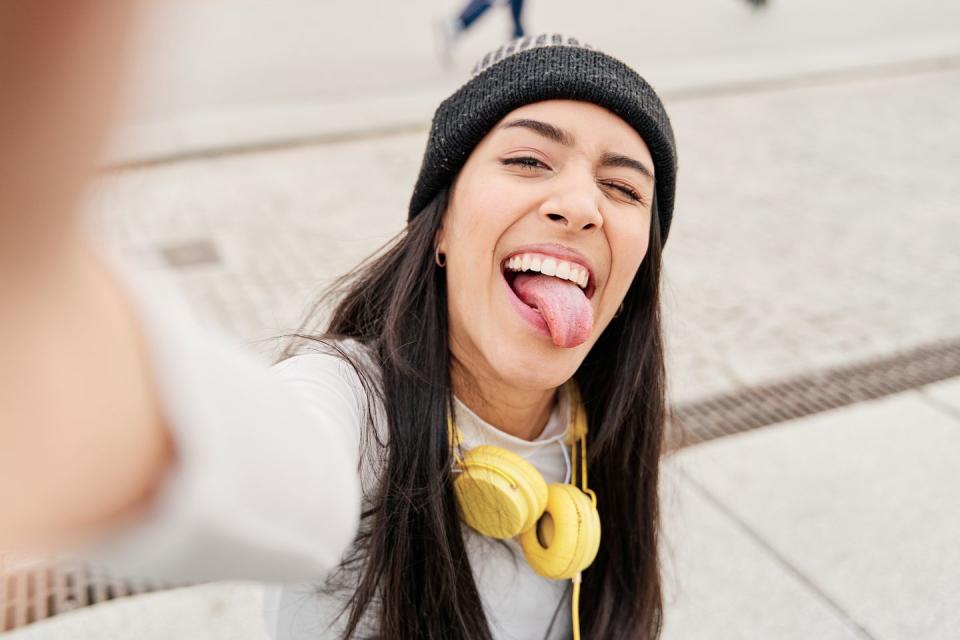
(443, 199)
(438, 239)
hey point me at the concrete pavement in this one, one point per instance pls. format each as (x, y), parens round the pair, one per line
(246, 73)
(815, 227)
(841, 525)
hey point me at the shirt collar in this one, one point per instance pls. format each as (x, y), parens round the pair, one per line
(478, 432)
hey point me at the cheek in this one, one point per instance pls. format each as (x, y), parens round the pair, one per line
(482, 210)
(628, 245)
(471, 234)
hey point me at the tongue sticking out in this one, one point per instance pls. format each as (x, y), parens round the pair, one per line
(562, 304)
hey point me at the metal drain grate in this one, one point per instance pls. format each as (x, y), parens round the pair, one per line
(36, 589)
(764, 405)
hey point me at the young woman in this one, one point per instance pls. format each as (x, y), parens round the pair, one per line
(507, 340)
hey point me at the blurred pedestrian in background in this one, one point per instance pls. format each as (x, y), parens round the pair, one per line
(449, 31)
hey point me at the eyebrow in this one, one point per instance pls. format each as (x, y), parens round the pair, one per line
(558, 135)
(545, 129)
(619, 160)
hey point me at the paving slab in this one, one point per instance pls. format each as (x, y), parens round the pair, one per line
(812, 229)
(216, 611)
(720, 583)
(945, 395)
(861, 501)
(246, 72)
(798, 243)
(234, 54)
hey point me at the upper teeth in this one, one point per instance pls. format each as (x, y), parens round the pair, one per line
(549, 267)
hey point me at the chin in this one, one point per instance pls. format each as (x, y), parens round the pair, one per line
(533, 366)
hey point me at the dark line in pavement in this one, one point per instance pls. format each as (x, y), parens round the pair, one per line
(778, 557)
(280, 144)
(939, 64)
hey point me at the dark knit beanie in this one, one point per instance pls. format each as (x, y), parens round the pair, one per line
(534, 69)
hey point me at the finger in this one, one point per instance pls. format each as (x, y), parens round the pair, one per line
(61, 68)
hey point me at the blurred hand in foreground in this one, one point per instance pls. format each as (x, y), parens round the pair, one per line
(61, 67)
(78, 417)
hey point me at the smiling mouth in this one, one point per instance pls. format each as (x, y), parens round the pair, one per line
(542, 264)
(552, 296)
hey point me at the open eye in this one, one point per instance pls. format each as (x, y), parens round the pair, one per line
(525, 162)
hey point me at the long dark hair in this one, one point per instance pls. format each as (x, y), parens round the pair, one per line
(415, 575)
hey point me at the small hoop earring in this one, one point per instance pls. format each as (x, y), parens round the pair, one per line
(436, 258)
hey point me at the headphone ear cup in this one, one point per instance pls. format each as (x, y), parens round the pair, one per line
(567, 536)
(499, 494)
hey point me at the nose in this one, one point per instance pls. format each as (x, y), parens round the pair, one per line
(575, 204)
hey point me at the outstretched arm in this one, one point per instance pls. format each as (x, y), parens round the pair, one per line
(81, 431)
(123, 423)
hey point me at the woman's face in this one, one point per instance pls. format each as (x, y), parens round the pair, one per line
(546, 227)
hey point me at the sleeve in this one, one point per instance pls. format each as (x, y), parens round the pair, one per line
(265, 484)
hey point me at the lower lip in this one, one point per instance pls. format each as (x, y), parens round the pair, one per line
(532, 316)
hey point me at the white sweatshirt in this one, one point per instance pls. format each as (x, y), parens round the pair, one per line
(266, 484)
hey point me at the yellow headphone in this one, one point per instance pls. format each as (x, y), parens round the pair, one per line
(501, 495)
